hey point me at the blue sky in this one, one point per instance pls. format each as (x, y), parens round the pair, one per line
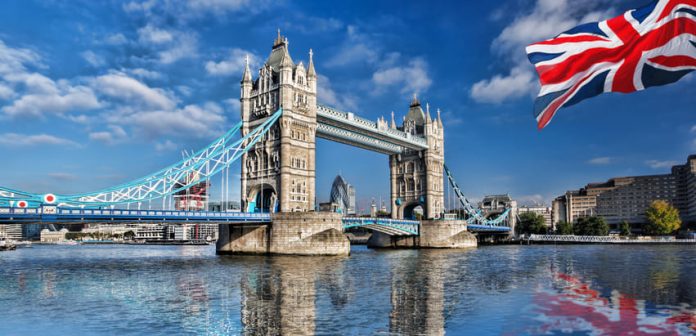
(97, 93)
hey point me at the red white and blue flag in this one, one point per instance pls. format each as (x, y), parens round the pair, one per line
(650, 46)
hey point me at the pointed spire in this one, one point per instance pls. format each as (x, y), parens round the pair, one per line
(393, 123)
(310, 68)
(414, 101)
(428, 119)
(247, 72)
(439, 120)
(278, 40)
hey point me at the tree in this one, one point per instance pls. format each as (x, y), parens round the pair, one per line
(625, 228)
(129, 235)
(564, 228)
(591, 226)
(531, 222)
(663, 219)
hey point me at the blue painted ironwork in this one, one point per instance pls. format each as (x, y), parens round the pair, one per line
(477, 222)
(396, 227)
(54, 214)
(199, 167)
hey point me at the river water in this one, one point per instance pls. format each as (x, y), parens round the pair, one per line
(490, 290)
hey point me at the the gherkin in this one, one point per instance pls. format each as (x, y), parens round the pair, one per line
(343, 194)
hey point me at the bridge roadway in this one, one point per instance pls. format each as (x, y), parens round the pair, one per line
(55, 214)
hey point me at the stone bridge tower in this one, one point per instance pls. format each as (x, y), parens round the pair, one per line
(278, 174)
(417, 176)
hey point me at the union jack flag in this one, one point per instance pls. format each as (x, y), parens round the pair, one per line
(650, 46)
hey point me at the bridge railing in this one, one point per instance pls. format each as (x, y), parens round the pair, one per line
(72, 212)
(604, 239)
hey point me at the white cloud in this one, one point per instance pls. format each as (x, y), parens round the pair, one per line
(357, 48)
(547, 19)
(693, 129)
(195, 9)
(114, 135)
(93, 59)
(43, 97)
(165, 146)
(519, 82)
(143, 73)
(412, 77)
(530, 200)
(151, 34)
(602, 160)
(657, 164)
(6, 92)
(34, 93)
(116, 39)
(189, 121)
(168, 45)
(233, 64)
(327, 95)
(14, 60)
(132, 91)
(15, 139)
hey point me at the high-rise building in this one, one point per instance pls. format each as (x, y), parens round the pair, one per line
(11, 231)
(626, 198)
(193, 198)
(343, 195)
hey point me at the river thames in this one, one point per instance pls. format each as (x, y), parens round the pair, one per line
(490, 290)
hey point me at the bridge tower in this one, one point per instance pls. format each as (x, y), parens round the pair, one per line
(278, 174)
(417, 175)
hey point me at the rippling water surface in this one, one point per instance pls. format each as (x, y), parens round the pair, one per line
(509, 290)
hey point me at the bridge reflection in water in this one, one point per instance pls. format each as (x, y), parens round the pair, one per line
(507, 290)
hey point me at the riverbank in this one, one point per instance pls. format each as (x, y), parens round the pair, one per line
(572, 239)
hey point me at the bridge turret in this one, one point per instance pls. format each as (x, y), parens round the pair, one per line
(311, 73)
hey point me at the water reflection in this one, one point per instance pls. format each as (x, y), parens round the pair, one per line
(573, 305)
(279, 298)
(495, 290)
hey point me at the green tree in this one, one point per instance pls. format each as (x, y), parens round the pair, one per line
(564, 228)
(531, 222)
(129, 235)
(625, 228)
(591, 226)
(663, 219)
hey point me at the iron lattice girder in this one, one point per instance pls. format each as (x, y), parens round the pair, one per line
(345, 127)
(484, 224)
(201, 166)
(394, 227)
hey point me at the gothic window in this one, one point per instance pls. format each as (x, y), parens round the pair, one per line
(411, 186)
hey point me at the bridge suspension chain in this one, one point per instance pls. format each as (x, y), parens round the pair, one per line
(471, 210)
(199, 167)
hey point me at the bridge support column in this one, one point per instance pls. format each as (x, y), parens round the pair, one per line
(433, 234)
(299, 233)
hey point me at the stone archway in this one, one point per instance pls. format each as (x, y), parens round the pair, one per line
(412, 211)
(262, 198)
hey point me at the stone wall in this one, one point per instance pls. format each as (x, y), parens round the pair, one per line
(301, 233)
(446, 234)
(308, 233)
(433, 234)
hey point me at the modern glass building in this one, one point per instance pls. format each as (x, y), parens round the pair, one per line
(343, 195)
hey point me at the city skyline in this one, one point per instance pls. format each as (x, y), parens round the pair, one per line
(111, 84)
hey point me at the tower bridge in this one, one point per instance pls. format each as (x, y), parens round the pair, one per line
(280, 121)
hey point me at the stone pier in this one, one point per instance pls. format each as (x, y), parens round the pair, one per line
(433, 234)
(298, 233)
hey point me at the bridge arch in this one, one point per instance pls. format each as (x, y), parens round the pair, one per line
(262, 198)
(409, 210)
